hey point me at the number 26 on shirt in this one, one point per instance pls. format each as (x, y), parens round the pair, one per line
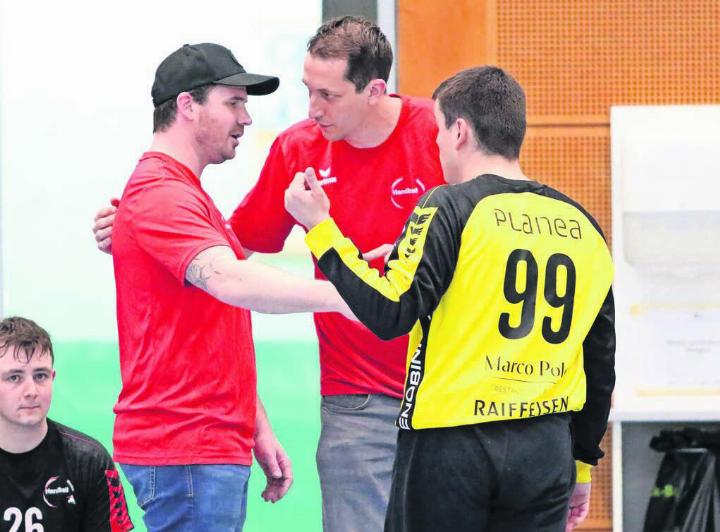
(15, 517)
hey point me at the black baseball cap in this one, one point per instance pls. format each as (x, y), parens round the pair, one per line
(195, 65)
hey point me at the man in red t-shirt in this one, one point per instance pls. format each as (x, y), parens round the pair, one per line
(187, 414)
(375, 154)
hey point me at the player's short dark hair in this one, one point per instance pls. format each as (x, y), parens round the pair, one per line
(361, 42)
(492, 102)
(164, 114)
(24, 338)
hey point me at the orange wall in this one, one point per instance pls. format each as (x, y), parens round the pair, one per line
(436, 39)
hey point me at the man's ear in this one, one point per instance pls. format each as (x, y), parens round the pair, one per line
(463, 133)
(185, 105)
(376, 88)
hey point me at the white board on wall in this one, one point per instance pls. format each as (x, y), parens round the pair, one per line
(666, 247)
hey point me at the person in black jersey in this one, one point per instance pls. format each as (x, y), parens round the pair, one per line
(505, 286)
(52, 478)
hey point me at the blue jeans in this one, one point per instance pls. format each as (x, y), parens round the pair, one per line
(355, 459)
(190, 498)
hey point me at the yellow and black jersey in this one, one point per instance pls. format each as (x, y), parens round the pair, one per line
(506, 287)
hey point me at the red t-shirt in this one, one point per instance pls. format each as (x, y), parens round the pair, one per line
(186, 359)
(372, 193)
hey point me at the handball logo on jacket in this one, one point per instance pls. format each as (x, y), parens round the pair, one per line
(406, 191)
(58, 491)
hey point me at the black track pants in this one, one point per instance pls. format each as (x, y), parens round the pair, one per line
(505, 476)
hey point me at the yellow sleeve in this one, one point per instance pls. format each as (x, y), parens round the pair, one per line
(583, 472)
(322, 237)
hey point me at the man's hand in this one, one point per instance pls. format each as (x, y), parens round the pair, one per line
(310, 205)
(383, 251)
(104, 220)
(579, 505)
(276, 465)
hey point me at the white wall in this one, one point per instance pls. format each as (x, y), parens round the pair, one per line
(76, 113)
(666, 248)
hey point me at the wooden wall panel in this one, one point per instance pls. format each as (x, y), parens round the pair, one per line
(574, 58)
(576, 161)
(577, 58)
(600, 516)
(437, 38)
